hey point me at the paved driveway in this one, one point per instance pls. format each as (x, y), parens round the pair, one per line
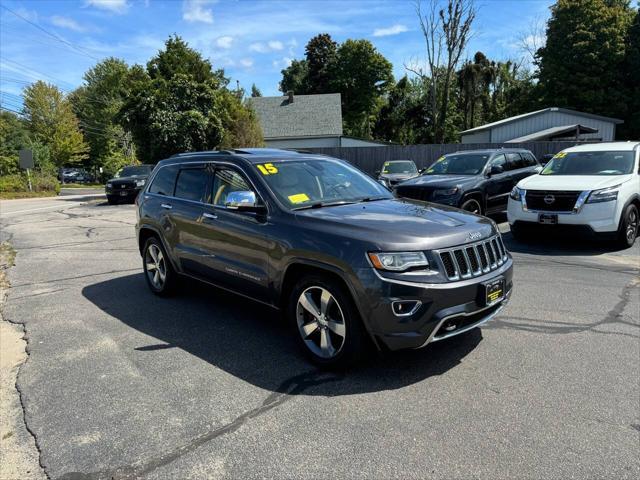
(121, 384)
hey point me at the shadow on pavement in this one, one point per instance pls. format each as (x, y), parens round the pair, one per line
(559, 245)
(251, 342)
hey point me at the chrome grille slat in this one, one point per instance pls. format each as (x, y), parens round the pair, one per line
(473, 259)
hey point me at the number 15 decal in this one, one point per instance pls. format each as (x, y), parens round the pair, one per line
(267, 169)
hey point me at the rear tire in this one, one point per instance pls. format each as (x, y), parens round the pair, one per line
(472, 205)
(628, 230)
(325, 322)
(158, 271)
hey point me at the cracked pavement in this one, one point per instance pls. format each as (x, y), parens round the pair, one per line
(121, 384)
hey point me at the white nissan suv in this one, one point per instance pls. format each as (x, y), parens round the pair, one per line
(594, 189)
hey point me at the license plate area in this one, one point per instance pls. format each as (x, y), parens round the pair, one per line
(123, 194)
(493, 291)
(548, 218)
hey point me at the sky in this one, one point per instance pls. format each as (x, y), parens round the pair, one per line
(58, 40)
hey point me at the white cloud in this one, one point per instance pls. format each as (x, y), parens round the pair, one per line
(115, 6)
(258, 47)
(195, 11)
(224, 42)
(275, 45)
(394, 30)
(66, 22)
(284, 62)
(270, 46)
(246, 62)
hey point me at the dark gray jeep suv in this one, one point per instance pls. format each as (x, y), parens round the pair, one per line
(347, 262)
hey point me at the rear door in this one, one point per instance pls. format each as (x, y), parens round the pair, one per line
(237, 242)
(526, 166)
(499, 185)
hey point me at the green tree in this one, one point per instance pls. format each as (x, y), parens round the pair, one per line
(581, 65)
(362, 75)
(51, 120)
(97, 105)
(295, 78)
(14, 136)
(255, 91)
(320, 53)
(631, 127)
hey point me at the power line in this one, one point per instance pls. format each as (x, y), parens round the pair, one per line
(52, 35)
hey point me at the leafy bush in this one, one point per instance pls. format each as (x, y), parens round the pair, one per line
(9, 164)
(40, 182)
(13, 183)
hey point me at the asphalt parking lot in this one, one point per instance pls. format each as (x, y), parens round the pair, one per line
(121, 384)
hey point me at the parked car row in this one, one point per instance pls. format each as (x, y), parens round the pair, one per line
(75, 175)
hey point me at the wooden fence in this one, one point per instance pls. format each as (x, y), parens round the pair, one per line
(370, 159)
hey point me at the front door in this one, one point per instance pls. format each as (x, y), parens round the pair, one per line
(499, 185)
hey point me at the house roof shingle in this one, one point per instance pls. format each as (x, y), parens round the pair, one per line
(306, 116)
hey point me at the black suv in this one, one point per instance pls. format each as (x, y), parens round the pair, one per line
(478, 181)
(314, 236)
(127, 183)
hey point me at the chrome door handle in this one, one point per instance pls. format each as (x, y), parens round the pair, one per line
(166, 205)
(209, 215)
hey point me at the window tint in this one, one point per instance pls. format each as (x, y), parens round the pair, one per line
(226, 181)
(499, 161)
(192, 184)
(529, 159)
(514, 161)
(164, 181)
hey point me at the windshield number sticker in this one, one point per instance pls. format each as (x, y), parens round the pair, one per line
(267, 169)
(298, 198)
(561, 155)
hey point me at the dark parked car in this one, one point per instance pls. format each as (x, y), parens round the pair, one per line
(127, 183)
(346, 261)
(74, 175)
(478, 181)
(396, 171)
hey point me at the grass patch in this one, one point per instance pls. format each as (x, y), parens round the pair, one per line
(13, 195)
(82, 185)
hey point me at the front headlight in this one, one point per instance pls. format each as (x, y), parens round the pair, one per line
(140, 183)
(446, 192)
(604, 195)
(516, 194)
(109, 185)
(398, 261)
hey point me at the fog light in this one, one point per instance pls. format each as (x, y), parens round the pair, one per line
(404, 308)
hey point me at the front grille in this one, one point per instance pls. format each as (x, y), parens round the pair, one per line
(551, 201)
(474, 259)
(417, 193)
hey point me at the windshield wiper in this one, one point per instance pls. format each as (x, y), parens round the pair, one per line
(373, 199)
(323, 204)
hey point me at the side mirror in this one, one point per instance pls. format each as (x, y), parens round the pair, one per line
(496, 169)
(243, 200)
(422, 170)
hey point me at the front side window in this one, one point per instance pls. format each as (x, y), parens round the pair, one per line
(590, 163)
(225, 181)
(164, 181)
(459, 164)
(192, 184)
(311, 182)
(529, 159)
(399, 167)
(499, 161)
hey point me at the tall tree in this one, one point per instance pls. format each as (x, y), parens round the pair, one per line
(446, 32)
(51, 119)
(631, 127)
(255, 91)
(581, 65)
(295, 78)
(321, 54)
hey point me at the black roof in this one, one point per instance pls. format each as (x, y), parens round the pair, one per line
(490, 151)
(252, 155)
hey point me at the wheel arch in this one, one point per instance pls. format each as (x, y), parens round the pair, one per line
(147, 231)
(475, 195)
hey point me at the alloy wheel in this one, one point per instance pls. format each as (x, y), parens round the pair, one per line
(156, 266)
(473, 207)
(321, 322)
(632, 224)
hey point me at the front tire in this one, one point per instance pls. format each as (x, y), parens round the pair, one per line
(325, 322)
(628, 230)
(472, 205)
(158, 271)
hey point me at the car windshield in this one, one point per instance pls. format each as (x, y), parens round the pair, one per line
(459, 164)
(590, 163)
(399, 167)
(319, 182)
(137, 171)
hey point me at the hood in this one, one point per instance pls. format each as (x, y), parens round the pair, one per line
(572, 182)
(398, 224)
(437, 181)
(128, 179)
(396, 176)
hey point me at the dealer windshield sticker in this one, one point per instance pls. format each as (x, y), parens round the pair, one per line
(267, 169)
(560, 155)
(298, 198)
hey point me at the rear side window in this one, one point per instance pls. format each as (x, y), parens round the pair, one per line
(192, 184)
(514, 161)
(499, 161)
(528, 159)
(164, 181)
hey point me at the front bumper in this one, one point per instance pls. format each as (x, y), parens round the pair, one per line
(597, 217)
(445, 309)
(123, 193)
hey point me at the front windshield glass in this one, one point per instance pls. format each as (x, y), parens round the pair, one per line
(459, 164)
(590, 163)
(137, 171)
(302, 183)
(399, 167)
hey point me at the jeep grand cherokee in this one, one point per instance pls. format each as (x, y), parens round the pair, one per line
(315, 237)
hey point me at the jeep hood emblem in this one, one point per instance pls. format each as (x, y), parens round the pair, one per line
(475, 235)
